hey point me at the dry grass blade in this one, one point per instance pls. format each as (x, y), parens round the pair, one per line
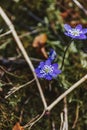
(14, 89)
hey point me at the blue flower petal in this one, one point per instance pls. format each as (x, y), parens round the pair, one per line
(79, 26)
(52, 55)
(48, 77)
(40, 75)
(54, 74)
(75, 33)
(67, 34)
(55, 65)
(82, 36)
(41, 64)
(84, 30)
(37, 70)
(58, 71)
(47, 70)
(67, 27)
(48, 62)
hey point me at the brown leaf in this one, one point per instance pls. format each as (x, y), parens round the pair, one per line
(40, 40)
(39, 43)
(17, 127)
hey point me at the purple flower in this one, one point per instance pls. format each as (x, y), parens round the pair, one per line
(52, 55)
(47, 70)
(76, 33)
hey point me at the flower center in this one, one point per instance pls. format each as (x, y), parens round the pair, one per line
(47, 69)
(75, 32)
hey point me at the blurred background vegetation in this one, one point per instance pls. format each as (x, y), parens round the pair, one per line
(39, 24)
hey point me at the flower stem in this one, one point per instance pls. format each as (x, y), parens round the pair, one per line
(65, 53)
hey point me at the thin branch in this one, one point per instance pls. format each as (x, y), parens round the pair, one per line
(4, 34)
(53, 125)
(64, 116)
(65, 113)
(29, 33)
(80, 6)
(14, 89)
(32, 120)
(35, 120)
(64, 56)
(62, 121)
(76, 118)
(8, 73)
(83, 79)
(23, 51)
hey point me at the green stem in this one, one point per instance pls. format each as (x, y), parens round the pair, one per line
(65, 54)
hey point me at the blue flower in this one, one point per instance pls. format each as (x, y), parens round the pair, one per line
(52, 55)
(47, 70)
(76, 33)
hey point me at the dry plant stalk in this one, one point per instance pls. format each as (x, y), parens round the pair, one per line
(14, 89)
(76, 118)
(52, 105)
(80, 6)
(65, 113)
(62, 121)
(23, 51)
(4, 34)
(34, 121)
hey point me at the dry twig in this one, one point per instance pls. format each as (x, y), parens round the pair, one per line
(4, 34)
(76, 118)
(33, 121)
(52, 105)
(80, 6)
(65, 114)
(62, 121)
(14, 89)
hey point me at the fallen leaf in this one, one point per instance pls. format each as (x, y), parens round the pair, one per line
(17, 126)
(40, 40)
(39, 43)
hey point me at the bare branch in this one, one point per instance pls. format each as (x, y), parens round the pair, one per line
(33, 121)
(65, 113)
(14, 89)
(4, 34)
(83, 79)
(77, 116)
(62, 121)
(80, 6)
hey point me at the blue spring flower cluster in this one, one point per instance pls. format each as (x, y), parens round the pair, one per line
(47, 69)
(76, 33)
